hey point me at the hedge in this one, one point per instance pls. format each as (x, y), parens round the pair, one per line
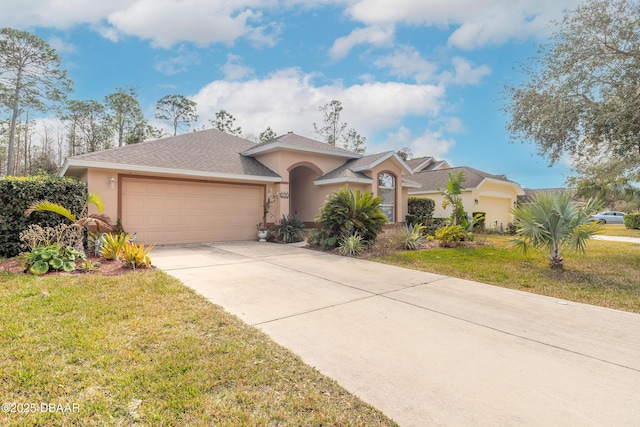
(18, 193)
(632, 221)
(419, 210)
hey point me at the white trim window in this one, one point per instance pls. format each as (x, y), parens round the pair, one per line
(387, 191)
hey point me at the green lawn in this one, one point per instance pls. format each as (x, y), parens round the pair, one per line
(608, 276)
(619, 230)
(142, 349)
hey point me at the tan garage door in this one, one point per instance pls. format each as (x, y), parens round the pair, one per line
(167, 211)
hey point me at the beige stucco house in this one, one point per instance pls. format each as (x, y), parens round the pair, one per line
(210, 186)
(494, 195)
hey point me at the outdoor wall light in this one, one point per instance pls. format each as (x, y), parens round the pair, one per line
(112, 183)
(476, 201)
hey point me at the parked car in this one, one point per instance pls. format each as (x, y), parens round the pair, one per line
(609, 217)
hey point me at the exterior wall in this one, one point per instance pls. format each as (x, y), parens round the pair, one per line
(495, 199)
(281, 161)
(98, 182)
(393, 168)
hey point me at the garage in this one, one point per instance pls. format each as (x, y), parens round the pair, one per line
(166, 211)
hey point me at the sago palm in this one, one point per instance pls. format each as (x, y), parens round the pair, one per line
(553, 222)
(346, 212)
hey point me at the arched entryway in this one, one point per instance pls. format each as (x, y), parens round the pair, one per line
(305, 198)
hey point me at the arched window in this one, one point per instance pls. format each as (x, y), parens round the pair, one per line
(387, 190)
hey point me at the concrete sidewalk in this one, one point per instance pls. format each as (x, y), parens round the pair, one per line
(423, 348)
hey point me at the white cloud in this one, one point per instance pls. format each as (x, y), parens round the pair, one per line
(406, 62)
(288, 101)
(477, 23)
(429, 143)
(61, 46)
(374, 35)
(200, 21)
(234, 70)
(179, 63)
(464, 72)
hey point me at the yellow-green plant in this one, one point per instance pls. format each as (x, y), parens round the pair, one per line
(113, 245)
(136, 255)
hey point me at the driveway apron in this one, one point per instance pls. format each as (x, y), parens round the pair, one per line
(423, 348)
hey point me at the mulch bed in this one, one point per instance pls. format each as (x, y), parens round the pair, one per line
(107, 267)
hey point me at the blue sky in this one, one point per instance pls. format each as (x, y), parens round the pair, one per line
(423, 74)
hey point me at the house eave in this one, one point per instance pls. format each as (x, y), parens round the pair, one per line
(71, 164)
(343, 180)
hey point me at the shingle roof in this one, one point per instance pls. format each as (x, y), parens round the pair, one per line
(432, 180)
(294, 141)
(204, 151)
(354, 168)
(414, 163)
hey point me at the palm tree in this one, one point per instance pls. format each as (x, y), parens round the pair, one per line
(552, 222)
(452, 197)
(83, 220)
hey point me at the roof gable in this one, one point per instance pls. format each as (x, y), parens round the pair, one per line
(292, 141)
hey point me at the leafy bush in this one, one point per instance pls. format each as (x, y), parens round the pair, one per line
(288, 230)
(632, 221)
(54, 257)
(345, 213)
(481, 217)
(136, 255)
(112, 245)
(420, 210)
(352, 245)
(450, 235)
(412, 235)
(18, 193)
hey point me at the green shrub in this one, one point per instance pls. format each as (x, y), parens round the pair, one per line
(345, 213)
(18, 193)
(54, 257)
(412, 235)
(450, 235)
(352, 245)
(632, 221)
(479, 224)
(288, 230)
(419, 210)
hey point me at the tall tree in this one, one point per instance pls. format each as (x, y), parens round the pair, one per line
(225, 122)
(355, 142)
(125, 115)
(582, 96)
(30, 78)
(176, 110)
(604, 181)
(331, 128)
(88, 127)
(405, 153)
(267, 135)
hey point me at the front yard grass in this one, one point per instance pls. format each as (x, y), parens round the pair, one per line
(608, 275)
(142, 349)
(619, 230)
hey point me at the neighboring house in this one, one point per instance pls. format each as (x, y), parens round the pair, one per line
(210, 186)
(494, 195)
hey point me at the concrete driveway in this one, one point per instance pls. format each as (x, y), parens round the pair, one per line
(425, 349)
